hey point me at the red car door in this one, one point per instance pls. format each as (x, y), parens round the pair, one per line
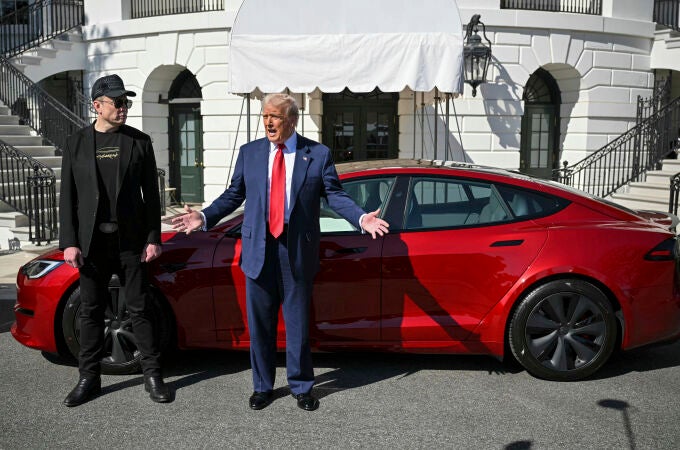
(460, 249)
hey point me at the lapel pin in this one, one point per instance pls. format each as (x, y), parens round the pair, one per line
(304, 158)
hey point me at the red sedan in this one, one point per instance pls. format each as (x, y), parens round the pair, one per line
(477, 261)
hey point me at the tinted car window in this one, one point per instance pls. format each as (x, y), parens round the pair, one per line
(524, 204)
(370, 194)
(439, 202)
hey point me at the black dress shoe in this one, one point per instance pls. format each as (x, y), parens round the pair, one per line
(86, 389)
(157, 389)
(306, 401)
(260, 400)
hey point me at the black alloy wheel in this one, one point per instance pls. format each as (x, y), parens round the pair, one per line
(120, 348)
(563, 330)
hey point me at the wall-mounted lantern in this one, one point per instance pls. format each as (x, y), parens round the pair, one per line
(476, 54)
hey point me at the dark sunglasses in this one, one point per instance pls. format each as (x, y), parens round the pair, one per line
(119, 103)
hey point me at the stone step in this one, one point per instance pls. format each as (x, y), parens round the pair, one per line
(7, 119)
(12, 188)
(61, 44)
(8, 175)
(36, 150)
(18, 141)
(659, 177)
(640, 202)
(53, 162)
(45, 51)
(29, 60)
(13, 219)
(4, 110)
(21, 67)
(651, 189)
(14, 130)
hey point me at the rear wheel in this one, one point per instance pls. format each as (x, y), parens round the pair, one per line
(120, 348)
(563, 330)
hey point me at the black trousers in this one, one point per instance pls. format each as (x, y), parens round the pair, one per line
(105, 259)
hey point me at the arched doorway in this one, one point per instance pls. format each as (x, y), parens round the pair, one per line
(539, 149)
(186, 138)
(361, 126)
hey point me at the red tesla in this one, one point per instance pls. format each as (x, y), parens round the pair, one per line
(477, 261)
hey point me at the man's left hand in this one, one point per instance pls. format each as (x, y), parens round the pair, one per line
(372, 224)
(151, 252)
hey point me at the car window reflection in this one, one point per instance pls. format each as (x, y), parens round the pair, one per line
(435, 203)
(369, 194)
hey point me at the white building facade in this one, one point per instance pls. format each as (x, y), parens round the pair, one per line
(560, 86)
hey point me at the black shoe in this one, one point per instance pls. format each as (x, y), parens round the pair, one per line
(86, 389)
(306, 401)
(260, 400)
(157, 389)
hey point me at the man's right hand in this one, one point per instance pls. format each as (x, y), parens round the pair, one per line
(188, 222)
(73, 257)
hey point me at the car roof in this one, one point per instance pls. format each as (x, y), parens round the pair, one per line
(404, 163)
(571, 193)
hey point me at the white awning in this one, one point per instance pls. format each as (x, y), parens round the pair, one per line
(302, 45)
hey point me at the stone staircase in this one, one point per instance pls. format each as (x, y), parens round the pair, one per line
(54, 56)
(651, 194)
(14, 224)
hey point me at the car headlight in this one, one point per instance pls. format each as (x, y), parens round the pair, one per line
(40, 267)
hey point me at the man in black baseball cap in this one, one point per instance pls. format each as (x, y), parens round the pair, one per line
(110, 224)
(111, 86)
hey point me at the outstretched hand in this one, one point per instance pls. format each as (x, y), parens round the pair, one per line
(374, 225)
(188, 222)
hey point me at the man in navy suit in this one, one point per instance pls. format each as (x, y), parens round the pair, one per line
(281, 257)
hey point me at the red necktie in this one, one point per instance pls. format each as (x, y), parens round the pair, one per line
(277, 197)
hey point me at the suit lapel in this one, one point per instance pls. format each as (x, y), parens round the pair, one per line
(126, 143)
(89, 153)
(302, 160)
(262, 175)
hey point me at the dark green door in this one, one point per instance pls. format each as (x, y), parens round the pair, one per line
(359, 127)
(186, 152)
(537, 155)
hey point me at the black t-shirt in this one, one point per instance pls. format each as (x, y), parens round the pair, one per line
(107, 154)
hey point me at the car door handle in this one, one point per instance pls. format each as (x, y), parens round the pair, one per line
(173, 267)
(350, 250)
(509, 243)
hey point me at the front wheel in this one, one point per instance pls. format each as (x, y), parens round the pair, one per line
(120, 348)
(563, 330)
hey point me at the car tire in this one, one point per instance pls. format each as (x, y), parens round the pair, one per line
(120, 350)
(563, 330)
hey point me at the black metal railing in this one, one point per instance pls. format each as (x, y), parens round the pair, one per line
(661, 95)
(675, 194)
(38, 22)
(36, 108)
(29, 187)
(666, 13)
(593, 7)
(629, 157)
(152, 8)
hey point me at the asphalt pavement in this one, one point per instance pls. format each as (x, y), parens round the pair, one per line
(368, 400)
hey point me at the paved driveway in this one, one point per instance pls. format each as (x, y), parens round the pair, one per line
(367, 400)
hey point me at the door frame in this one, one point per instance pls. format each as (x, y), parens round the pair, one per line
(361, 104)
(174, 163)
(541, 94)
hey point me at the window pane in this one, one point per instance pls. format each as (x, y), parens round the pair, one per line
(439, 203)
(369, 194)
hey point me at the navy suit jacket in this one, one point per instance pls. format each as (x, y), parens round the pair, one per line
(314, 176)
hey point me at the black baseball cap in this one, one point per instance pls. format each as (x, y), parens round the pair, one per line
(112, 86)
